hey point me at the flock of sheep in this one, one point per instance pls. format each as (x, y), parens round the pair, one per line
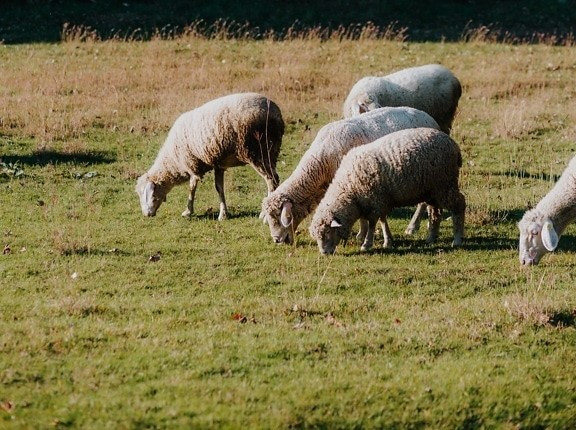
(392, 149)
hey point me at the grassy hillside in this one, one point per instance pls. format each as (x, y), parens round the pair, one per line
(29, 20)
(113, 320)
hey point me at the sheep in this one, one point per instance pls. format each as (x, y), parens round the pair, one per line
(233, 130)
(301, 192)
(431, 88)
(541, 227)
(399, 169)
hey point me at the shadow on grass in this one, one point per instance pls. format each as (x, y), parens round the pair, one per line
(211, 214)
(86, 251)
(44, 158)
(405, 247)
(523, 173)
(490, 217)
(565, 318)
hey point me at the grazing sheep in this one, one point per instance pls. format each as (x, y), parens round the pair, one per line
(300, 193)
(541, 227)
(431, 88)
(400, 169)
(230, 131)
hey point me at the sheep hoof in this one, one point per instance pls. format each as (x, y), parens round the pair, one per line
(365, 248)
(187, 213)
(410, 230)
(457, 242)
(222, 216)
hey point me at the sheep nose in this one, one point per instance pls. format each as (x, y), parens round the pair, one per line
(282, 239)
(528, 261)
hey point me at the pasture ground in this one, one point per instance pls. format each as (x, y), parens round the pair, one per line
(113, 320)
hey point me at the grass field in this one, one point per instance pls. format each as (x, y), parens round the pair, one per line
(113, 320)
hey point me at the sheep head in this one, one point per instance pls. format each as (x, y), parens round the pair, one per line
(328, 235)
(537, 237)
(280, 220)
(365, 103)
(151, 194)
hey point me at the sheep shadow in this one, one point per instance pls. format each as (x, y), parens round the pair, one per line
(523, 173)
(86, 251)
(491, 217)
(212, 214)
(410, 247)
(50, 157)
(475, 243)
(564, 318)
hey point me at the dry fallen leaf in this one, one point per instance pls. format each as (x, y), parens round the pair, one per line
(154, 258)
(330, 319)
(7, 405)
(242, 319)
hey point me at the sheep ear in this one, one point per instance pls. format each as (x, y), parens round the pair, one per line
(335, 224)
(149, 192)
(361, 108)
(549, 236)
(286, 215)
(264, 217)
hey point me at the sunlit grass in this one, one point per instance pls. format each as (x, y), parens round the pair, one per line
(114, 320)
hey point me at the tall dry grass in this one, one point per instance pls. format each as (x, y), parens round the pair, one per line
(122, 84)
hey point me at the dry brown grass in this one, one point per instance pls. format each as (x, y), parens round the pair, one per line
(86, 84)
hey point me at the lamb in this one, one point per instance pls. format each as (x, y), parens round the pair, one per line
(234, 130)
(402, 168)
(541, 227)
(431, 88)
(300, 193)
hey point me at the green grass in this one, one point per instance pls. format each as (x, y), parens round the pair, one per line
(228, 330)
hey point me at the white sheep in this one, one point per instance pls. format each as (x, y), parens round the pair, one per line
(286, 207)
(431, 88)
(541, 227)
(233, 130)
(399, 169)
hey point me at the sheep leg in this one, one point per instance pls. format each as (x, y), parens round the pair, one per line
(270, 176)
(458, 208)
(219, 184)
(363, 229)
(194, 180)
(369, 239)
(434, 218)
(414, 223)
(386, 233)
